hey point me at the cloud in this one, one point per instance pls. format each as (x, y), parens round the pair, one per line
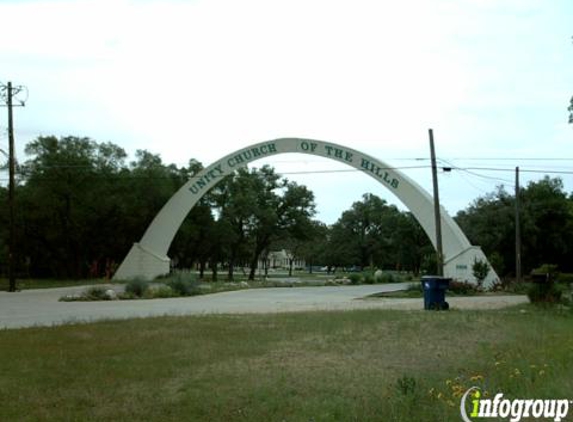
(197, 79)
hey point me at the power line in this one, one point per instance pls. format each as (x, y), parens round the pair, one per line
(467, 170)
(513, 159)
(521, 170)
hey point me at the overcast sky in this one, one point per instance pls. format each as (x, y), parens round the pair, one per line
(200, 79)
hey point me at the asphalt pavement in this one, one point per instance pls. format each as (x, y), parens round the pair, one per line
(42, 307)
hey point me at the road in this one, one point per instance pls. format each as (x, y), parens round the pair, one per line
(41, 307)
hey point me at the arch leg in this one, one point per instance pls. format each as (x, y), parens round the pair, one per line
(142, 263)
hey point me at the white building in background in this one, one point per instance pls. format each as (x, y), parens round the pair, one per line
(280, 260)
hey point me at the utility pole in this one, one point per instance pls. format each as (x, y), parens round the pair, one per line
(8, 92)
(517, 229)
(437, 214)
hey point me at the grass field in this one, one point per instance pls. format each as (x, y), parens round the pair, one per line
(321, 366)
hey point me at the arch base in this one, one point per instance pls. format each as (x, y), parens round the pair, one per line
(141, 263)
(459, 267)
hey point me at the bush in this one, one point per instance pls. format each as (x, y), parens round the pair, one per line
(480, 270)
(184, 285)
(96, 293)
(93, 293)
(544, 289)
(516, 288)
(369, 278)
(544, 292)
(462, 288)
(163, 292)
(566, 278)
(354, 278)
(136, 287)
(387, 278)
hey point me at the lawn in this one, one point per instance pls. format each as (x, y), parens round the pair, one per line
(318, 366)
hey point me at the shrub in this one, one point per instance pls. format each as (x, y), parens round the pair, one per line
(136, 287)
(516, 288)
(354, 278)
(480, 270)
(93, 293)
(387, 278)
(96, 293)
(462, 288)
(163, 292)
(566, 278)
(544, 292)
(369, 278)
(160, 291)
(184, 285)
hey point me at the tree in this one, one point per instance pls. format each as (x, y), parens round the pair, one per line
(279, 216)
(550, 236)
(411, 243)
(570, 109)
(313, 249)
(547, 225)
(365, 234)
(81, 206)
(63, 202)
(195, 240)
(234, 199)
(490, 222)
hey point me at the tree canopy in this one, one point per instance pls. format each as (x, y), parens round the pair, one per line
(546, 226)
(81, 205)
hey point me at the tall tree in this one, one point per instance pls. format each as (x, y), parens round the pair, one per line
(363, 235)
(547, 226)
(234, 199)
(284, 210)
(411, 243)
(63, 198)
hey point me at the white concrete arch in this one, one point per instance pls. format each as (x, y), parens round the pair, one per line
(148, 258)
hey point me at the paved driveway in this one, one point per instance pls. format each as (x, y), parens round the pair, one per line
(42, 308)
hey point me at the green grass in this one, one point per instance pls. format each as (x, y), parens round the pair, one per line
(322, 366)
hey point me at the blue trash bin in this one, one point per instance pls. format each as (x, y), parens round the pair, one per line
(434, 288)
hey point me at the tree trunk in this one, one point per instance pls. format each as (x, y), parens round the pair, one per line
(261, 245)
(230, 273)
(214, 268)
(253, 267)
(202, 264)
(254, 263)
